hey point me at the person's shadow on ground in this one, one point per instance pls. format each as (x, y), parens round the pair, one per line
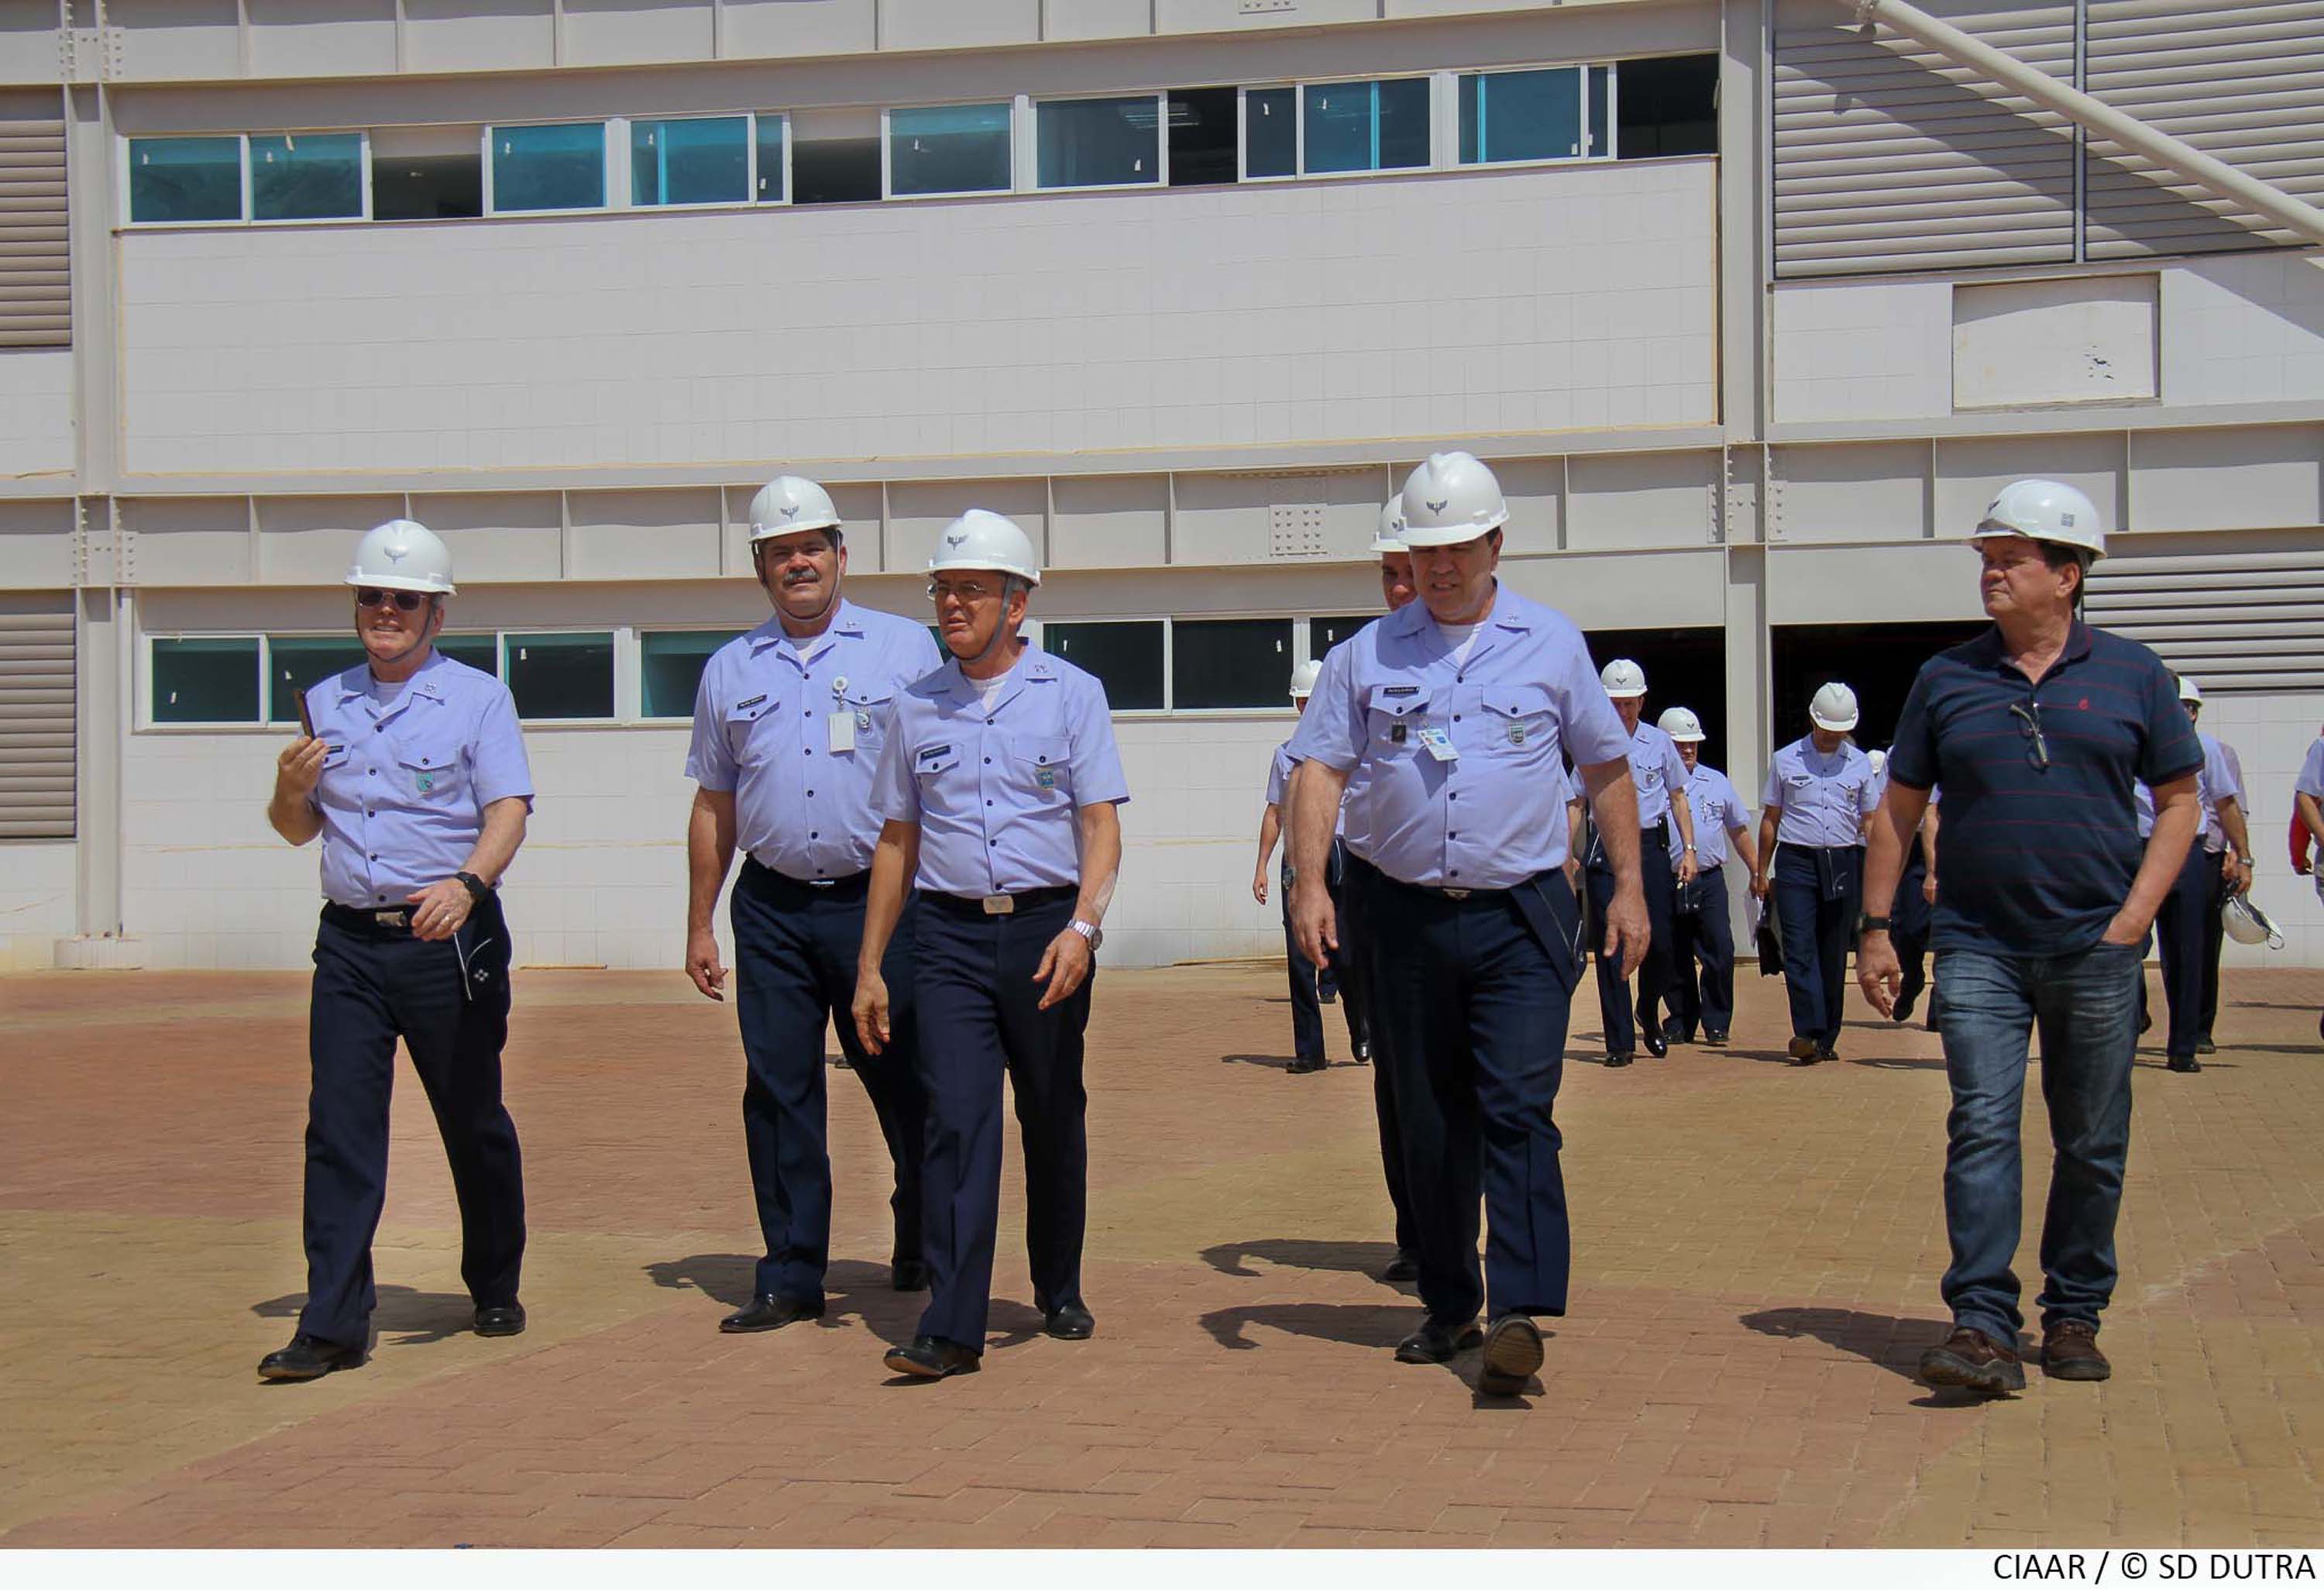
(1894, 1343)
(853, 1289)
(414, 1318)
(1292, 1253)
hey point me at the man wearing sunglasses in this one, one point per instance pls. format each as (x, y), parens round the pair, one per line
(413, 770)
(788, 726)
(2039, 730)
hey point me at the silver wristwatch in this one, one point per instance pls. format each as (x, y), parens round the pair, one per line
(1091, 931)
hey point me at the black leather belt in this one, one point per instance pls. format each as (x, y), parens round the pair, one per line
(1000, 905)
(382, 923)
(852, 882)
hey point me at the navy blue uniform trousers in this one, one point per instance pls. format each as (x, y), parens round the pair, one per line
(448, 1001)
(1351, 899)
(1817, 891)
(1470, 1009)
(979, 1018)
(796, 946)
(1655, 971)
(2182, 935)
(1342, 973)
(1909, 919)
(1703, 989)
(2215, 938)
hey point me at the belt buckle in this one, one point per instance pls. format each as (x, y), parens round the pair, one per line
(1454, 893)
(821, 882)
(391, 919)
(999, 905)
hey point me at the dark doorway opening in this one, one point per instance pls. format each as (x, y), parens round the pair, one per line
(1878, 661)
(1684, 668)
(1202, 136)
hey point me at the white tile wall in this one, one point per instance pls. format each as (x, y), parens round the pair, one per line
(2246, 328)
(36, 902)
(1509, 301)
(36, 411)
(1863, 351)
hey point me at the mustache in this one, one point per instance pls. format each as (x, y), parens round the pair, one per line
(803, 576)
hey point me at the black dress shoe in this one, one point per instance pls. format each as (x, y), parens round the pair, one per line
(1402, 1267)
(307, 1358)
(1617, 1060)
(1657, 1044)
(932, 1358)
(1826, 1052)
(768, 1311)
(1302, 1064)
(2182, 1063)
(1363, 1048)
(1714, 1035)
(1512, 1354)
(1069, 1322)
(501, 1319)
(1436, 1341)
(1803, 1052)
(2204, 1046)
(1903, 1011)
(908, 1275)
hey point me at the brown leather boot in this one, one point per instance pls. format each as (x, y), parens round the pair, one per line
(2070, 1352)
(1974, 1361)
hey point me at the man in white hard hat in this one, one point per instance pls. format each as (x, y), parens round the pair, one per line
(2189, 929)
(1308, 980)
(1665, 831)
(789, 721)
(1817, 798)
(1702, 937)
(2226, 843)
(997, 791)
(1463, 706)
(411, 769)
(2038, 729)
(1397, 587)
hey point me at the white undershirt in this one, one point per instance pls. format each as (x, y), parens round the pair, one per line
(986, 690)
(385, 691)
(1461, 637)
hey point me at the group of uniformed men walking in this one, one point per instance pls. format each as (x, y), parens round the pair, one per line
(930, 843)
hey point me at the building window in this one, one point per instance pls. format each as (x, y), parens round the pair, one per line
(185, 178)
(1099, 143)
(771, 164)
(1202, 136)
(481, 652)
(1374, 127)
(560, 676)
(1668, 105)
(426, 173)
(834, 157)
(948, 149)
(1227, 662)
(1126, 658)
(703, 160)
(1324, 633)
(1270, 133)
(306, 176)
(669, 668)
(557, 166)
(208, 679)
(295, 664)
(1521, 115)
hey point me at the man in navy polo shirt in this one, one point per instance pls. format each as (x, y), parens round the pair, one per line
(2038, 730)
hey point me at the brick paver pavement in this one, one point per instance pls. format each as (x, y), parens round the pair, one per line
(1757, 1250)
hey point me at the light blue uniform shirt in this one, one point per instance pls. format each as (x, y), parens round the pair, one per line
(1656, 769)
(796, 740)
(995, 791)
(2310, 780)
(1824, 799)
(2221, 778)
(405, 785)
(1716, 809)
(1462, 762)
(1278, 789)
(2141, 806)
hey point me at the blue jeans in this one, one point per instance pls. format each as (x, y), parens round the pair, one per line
(2085, 1005)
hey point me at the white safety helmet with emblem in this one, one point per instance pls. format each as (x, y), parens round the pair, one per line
(1391, 538)
(788, 503)
(2190, 691)
(1304, 678)
(2044, 511)
(1623, 679)
(1879, 761)
(980, 538)
(1449, 499)
(403, 555)
(1680, 724)
(2247, 924)
(1834, 708)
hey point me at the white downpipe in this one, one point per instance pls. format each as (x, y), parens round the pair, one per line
(2237, 186)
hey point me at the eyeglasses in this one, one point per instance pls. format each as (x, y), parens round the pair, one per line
(405, 601)
(2028, 714)
(968, 592)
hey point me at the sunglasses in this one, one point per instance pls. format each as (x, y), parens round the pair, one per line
(405, 601)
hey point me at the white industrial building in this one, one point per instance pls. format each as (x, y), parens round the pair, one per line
(1752, 305)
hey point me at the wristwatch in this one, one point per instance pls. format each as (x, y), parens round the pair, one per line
(476, 887)
(1091, 931)
(1870, 924)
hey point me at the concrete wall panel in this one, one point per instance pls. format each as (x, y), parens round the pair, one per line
(182, 39)
(37, 881)
(311, 541)
(1862, 351)
(1641, 499)
(798, 27)
(1872, 491)
(189, 541)
(620, 32)
(1627, 590)
(321, 38)
(2249, 479)
(36, 546)
(1971, 470)
(1919, 582)
(2244, 328)
(645, 534)
(947, 24)
(479, 35)
(917, 512)
(497, 536)
(1099, 19)
(36, 411)
(1110, 522)
(2038, 344)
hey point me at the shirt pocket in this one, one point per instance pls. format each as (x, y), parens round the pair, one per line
(873, 706)
(746, 739)
(1393, 714)
(1042, 763)
(433, 779)
(930, 761)
(1519, 718)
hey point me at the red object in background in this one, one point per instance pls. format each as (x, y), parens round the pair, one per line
(2301, 839)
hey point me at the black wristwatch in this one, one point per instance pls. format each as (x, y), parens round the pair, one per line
(476, 887)
(1866, 924)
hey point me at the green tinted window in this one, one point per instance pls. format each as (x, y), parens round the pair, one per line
(306, 177)
(206, 680)
(296, 663)
(669, 668)
(185, 178)
(561, 676)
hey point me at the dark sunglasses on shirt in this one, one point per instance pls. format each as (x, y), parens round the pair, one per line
(405, 601)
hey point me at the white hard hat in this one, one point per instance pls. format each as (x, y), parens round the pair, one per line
(1879, 761)
(2190, 691)
(2247, 924)
(790, 502)
(1834, 708)
(402, 555)
(1623, 678)
(1391, 538)
(1449, 499)
(2044, 511)
(1304, 678)
(1679, 723)
(980, 538)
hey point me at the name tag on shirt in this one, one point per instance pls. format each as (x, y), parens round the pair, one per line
(843, 731)
(1437, 740)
